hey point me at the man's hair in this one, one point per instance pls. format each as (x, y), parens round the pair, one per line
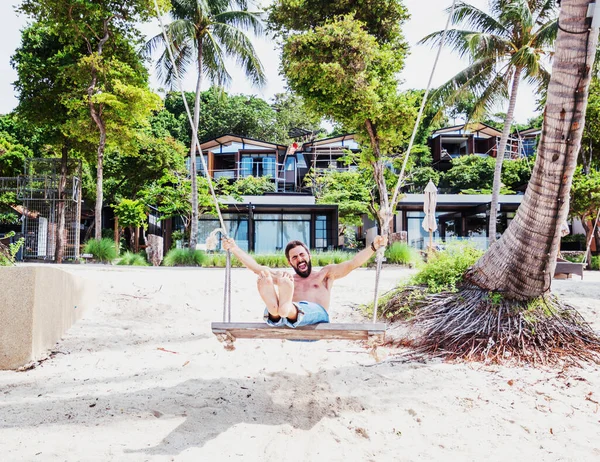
(293, 244)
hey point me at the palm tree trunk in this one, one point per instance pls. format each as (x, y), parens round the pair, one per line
(521, 264)
(193, 171)
(500, 154)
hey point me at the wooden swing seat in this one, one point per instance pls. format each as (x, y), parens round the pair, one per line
(323, 331)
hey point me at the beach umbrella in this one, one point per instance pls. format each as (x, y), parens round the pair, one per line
(429, 223)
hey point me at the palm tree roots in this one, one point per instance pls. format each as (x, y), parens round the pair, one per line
(478, 325)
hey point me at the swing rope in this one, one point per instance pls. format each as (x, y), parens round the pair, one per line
(211, 240)
(405, 162)
(589, 243)
(223, 229)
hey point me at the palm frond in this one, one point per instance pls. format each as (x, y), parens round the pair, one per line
(477, 19)
(244, 20)
(545, 10)
(517, 12)
(213, 63)
(496, 92)
(541, 79)
(545, 36)
(165, 71)
(238, 45)
(470, 81)
(528, 59)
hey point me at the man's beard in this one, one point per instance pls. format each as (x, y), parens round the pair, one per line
(306, 272)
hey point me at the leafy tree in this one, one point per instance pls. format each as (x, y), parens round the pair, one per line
(204, 33)
(22, 131)
(380, 19)
(42, 86)
(585, 200)
(241, 115)
(12, 161)
(503, 47)
(590, 144)
(128, 173)
(108, 81)
(132, 215)
(419, 177)
(291, 112)
(248, 186)
(346, 74)
(351, 190)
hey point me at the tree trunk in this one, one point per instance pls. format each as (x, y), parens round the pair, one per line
(500, 154)
(99, 173)
(384, 214)
(117, 234)
(521, 264)
(193, 170)
(62, 184)
(96, 114)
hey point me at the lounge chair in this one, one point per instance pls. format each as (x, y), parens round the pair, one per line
(569, 268)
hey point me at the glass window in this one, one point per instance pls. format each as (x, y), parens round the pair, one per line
(274, 230)
(321, 232)
(416, 235)
(236, 225)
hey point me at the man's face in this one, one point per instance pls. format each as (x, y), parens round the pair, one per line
(299, 258)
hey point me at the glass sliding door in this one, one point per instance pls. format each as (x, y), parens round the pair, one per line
(274, 230)
(236, 224)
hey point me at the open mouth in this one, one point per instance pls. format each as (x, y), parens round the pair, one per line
(302, 266)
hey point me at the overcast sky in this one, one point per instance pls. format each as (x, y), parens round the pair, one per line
(426, 16)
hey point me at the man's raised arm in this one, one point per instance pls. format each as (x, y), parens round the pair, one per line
(343, 269)
(247, 260)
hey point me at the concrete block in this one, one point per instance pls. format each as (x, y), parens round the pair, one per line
(38, 303)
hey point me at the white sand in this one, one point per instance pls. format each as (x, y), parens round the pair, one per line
(141, 377)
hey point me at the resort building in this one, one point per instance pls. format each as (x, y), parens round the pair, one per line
(266, 223)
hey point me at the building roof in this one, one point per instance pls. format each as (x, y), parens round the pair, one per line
(455, 201)
(329, 141)
(467, 129)
(228, 139)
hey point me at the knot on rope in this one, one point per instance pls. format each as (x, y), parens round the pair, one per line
(212, 241)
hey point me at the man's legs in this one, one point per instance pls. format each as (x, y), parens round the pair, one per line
(278, 306)
(266, 289)
(286, 292)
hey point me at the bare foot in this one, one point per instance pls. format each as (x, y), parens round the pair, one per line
(286, 292)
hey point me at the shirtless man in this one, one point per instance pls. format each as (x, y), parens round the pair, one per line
(303, 298)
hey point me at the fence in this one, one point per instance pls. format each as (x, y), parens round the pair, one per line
(38, 190)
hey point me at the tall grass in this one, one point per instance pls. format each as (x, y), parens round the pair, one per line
(133, 259)
(102, 250)
(277, 260)
(184, 257)
(400, 253)
(444, 270)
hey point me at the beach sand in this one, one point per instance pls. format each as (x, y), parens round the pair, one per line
(141, 377)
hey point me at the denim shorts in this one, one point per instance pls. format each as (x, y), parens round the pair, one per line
(308, 313)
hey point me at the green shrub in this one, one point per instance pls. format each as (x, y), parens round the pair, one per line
(102, 250)
(184, 257)
(133, 259)
(574, 257)
(574, 238)
(444, 270)
(595, 262)
(400, 253)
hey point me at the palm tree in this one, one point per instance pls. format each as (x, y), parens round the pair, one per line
(504, 309)
(205, 33)
(504, 47)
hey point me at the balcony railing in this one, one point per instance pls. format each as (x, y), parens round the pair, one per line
(284, 179)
